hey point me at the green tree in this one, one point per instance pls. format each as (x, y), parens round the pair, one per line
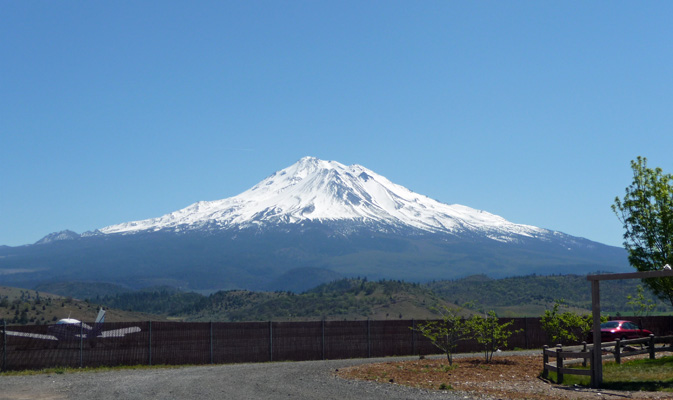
(447, 332)
(23, 319)
(639, 304)
(646, 211)
(567, 326)
(490, 333)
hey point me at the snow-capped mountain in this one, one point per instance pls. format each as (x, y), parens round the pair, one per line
(327, 191)
(307, 224)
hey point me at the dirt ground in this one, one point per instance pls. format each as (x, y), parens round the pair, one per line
(511, 377)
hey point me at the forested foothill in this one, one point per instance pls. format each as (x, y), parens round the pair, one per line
(345, 299)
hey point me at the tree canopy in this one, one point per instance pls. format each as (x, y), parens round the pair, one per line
(646, 211)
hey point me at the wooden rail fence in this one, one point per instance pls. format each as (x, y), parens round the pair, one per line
(582, 353)
(560, 366)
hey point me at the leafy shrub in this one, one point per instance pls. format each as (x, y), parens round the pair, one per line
(490, 333)
(567, 326)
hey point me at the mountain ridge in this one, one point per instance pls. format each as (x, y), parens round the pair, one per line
(316, 190)
(310, 222)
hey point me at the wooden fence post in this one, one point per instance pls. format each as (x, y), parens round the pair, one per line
(545, 360)
(323, 338)
(413, 337)
(270, 341)
(651, 343)
(4, 344)
(618, 351)
(149, 344)
(559, 364)
(584, 350)
(211, 342)
(597, 359)
(369, 341)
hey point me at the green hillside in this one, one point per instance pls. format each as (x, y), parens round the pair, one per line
(82, 290)
(23, 306)
(343, 299)
(531, 295)
(360, 299)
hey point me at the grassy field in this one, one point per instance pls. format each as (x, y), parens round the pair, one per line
(634, 375)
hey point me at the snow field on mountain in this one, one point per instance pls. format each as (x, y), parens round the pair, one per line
(318, 190)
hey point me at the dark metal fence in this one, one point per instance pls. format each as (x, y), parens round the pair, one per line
(236, 342)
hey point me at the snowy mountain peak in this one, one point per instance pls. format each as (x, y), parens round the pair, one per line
(328, 191)
(56, 236)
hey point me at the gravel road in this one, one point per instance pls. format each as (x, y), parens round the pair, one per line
(283, 380)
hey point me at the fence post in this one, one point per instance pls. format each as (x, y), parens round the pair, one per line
(149, 343)
(4, 344)
(618, 351)
(270, 341)
(369, 341)
(559, 364)
(597, 358)
(322, 329)
(584, 350)
(211, 342)
(413, 337)
(651, 346)
(81, 343)
(545, 360)
(525, 332)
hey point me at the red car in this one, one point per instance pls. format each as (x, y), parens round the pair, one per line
(613, 330)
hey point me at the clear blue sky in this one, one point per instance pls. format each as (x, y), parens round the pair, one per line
(118, 111)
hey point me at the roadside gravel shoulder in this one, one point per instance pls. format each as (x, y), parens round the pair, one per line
(281, 380)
